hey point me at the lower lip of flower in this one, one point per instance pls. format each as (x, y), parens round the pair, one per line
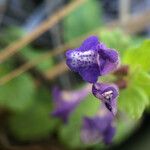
(108, 95)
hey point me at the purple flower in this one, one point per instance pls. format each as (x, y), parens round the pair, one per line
(92, 59)
(99, 128)
(108, 94)
(66, 101)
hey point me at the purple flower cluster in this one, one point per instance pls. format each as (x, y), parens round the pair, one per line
(100, 127)
(91, 60)
(66, 101)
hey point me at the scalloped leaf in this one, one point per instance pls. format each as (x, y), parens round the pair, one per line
(142, 79)
(139, 56)
(34, 123)
(17, 94)
(133, 101)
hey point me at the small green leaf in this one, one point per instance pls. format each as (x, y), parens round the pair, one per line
(111, 39)
(10, 34)
(29, 53)
(133, 101)
(6, 68)
(70, 133)
(82, 20)
(18, 93)
(139, 56)
(34, 123)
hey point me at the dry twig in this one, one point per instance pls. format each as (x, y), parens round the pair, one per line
(47, 24)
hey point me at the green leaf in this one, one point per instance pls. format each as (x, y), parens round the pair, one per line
(133, 101)
(142, 79)
(29, 53)
(82, 20)
(111, 39)
(17, 94)
(6, 67)
(138, 60)
(9, 35)
(70, 133)
(124, 127)
(34, 123)
(139, 56)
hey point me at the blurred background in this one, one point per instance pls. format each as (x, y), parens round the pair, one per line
(34, 35)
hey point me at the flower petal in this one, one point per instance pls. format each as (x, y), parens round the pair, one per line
(89, 133)
(66, 101)
(108, 61)
(85, 63)
(109, 134)
(90, 73)
(112, 106)
(98, 128)
(102, 90)
(64, 112)
(108, 94)
(90, 43)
